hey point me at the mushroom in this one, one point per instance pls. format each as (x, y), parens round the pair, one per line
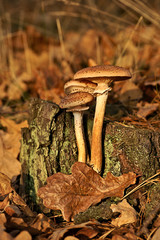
(103, 76)
(73, 86)
(78, 103)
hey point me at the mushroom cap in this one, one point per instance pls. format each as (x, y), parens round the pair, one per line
(78, 109)
(102, 72)
(76, 99)
(73, 86)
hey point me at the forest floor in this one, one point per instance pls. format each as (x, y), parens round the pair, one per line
(34, 63)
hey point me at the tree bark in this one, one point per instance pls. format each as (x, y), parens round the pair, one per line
(49, 146)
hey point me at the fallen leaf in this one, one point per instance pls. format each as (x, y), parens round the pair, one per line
(128, 214)
(146, 109)
(71, 238)
(4, 235)
(3, 221)
(12, 210)
(84, 187)
(87, 232)
(130, 92)
(10, 147)
(5, 189)
(96, 40)
(49, 84)
(42, 223)
(10, 196)
(8, 164)
(24, 235)
(5, 184)
(13, 87)
(156, 235)
(152, 83)
(131, 236)
(11, 138)
(36, 225)
(118, 237)
(86, 229)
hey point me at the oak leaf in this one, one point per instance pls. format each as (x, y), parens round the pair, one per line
(85, 230)
(145, 109)
(84, 187)
(128, 213)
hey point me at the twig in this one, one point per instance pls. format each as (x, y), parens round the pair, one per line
(144, 183)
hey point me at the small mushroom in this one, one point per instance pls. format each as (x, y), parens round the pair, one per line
(78, 103)
(73, 86)
(103, 76)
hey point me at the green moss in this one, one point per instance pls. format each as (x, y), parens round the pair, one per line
(136, 147)
(100, 212)
(111, 163)
(154, 199)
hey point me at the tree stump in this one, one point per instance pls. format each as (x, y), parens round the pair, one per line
(49, 146)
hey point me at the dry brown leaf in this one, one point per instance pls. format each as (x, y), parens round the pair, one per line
(5, 184)
(152, 83)
(145, 109)
(71, 238)
(131, 236)
(10, 147)
(12, 198)
(5, 189)
(96, 45)
(77, 192)
(8, 164)
(49, 84)
(12, 210)
(128, 214)
(4, 235)
(37, 61)
(11, 138)
(87, 229)
(130, 92)
(87, 232)
(24, 235)
(13, 87)
(37, 225)
(3, 221)
(42, 223)
(156, 234)
(118, 237)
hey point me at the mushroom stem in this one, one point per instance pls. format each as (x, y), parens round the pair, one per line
(78, 123)
(96, 145)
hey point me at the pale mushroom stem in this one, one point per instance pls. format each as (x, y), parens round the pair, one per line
(96, 145)
(78, 123)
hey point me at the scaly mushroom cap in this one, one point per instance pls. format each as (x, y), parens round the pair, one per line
(73, 86)
(76, 99)
(102, 72)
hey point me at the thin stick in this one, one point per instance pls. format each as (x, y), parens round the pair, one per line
(10, 48)
(60, 37)
(145, 182)
(129, 39)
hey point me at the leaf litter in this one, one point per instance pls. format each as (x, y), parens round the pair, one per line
(77, 192)
(34, 64)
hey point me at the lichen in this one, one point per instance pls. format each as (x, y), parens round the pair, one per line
(154, 199)
(111, 163)
(136, 146)
(49, 146)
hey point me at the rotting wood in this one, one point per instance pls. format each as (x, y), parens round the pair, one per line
(49, 146)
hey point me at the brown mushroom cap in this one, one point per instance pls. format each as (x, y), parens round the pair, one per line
(73, 86)
(78, 109)
(76, 99)
(102, 72)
